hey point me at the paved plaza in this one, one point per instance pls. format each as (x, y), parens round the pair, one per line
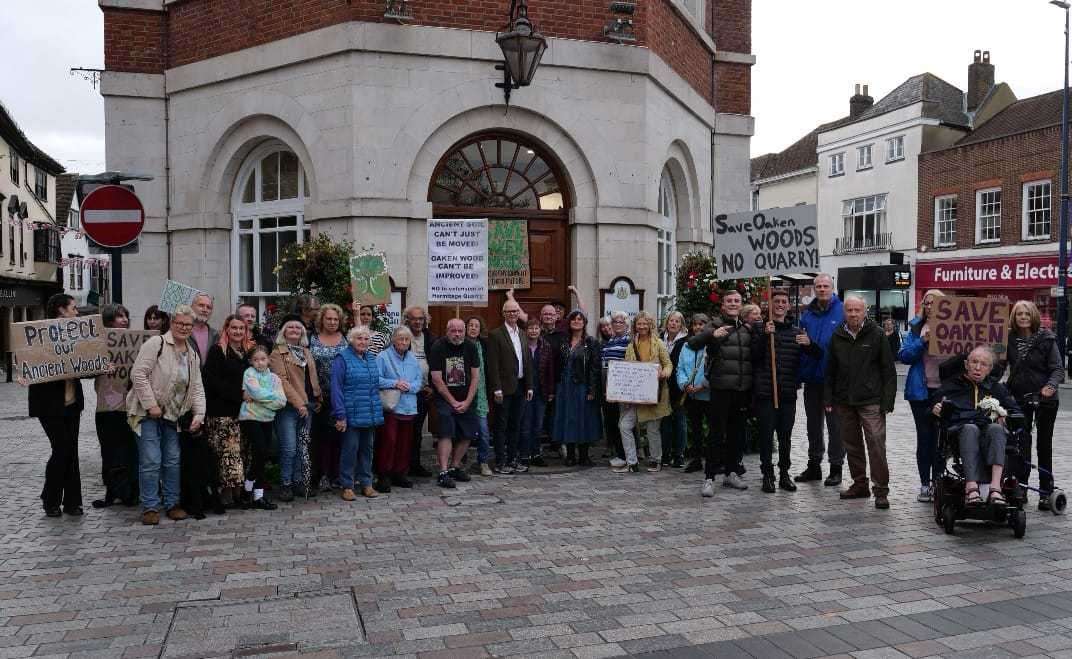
(555, 564)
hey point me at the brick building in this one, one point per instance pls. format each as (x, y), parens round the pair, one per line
(266, 123)
(989, 207)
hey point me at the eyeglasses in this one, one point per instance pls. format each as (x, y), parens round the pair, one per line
(185, 325)
(420, 318)
(617, 322)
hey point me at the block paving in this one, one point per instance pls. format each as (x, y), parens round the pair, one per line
(573, 564)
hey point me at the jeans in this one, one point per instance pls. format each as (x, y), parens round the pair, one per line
(862, 424)
(158, 460)
(815, 410)
(675, 429)
(507, 424)
(773, 421)
(63, 482)
(119, 456)
(980, 450)
(1044, 416)
(731, 413)
(532, 412)
(287, 425)
(627, 422)
(483, 445)
(700, 441)
(423, 405)
(356, 457)
(928, 461)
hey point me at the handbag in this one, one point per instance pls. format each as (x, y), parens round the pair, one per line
(390, 398)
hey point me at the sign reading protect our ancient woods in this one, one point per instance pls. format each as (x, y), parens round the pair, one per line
(176, 294)
(508, 255)
(958, 325)
(458, 262)
(768, 242)
(633, 382)
(123, 346)
(369, 280)
(59, 349)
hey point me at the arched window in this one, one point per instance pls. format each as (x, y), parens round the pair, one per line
(667, 250)
(269, 214)
(496, 171)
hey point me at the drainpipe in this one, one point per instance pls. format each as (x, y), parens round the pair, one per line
(167, 143)
(714, 127)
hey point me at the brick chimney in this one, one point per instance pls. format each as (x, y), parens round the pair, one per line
(860, 101)
(980, 79)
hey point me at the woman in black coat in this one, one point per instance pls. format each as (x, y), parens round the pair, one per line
(58, 407)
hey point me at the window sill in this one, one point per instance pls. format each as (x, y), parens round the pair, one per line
(895, 160)
(864, 169)
(945, 247)
(988, 243)
(1035, 239)
(836, 175)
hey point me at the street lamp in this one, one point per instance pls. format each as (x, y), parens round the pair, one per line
(522, 48)
(1062, 264)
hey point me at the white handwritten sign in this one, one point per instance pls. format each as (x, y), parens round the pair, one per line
(458, 262)
(633, 382)
(59, 348)
(767, 242)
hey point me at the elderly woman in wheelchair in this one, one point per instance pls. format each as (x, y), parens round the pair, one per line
(976, 410)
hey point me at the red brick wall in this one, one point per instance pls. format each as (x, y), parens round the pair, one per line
(134, 41)
(195, 30)
(1007, 162)
(734, 83)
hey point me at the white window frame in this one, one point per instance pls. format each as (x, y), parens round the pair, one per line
(666, 261)
(939, 219)
(863, 162)
(40, 184)
(895, 149)
(694, 8)
(1025, 224)
(979, 204)
(837, 164)
(850, 214)
(254, 212)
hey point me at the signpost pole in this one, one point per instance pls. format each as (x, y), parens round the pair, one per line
(773, 357)
(116, 255)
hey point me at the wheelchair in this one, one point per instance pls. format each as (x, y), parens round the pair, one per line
(949, 491)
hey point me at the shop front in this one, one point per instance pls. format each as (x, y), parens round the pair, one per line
(885, 288)
(1024, 277)
(21, 300)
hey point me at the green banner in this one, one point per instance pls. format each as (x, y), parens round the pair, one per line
(508, 255)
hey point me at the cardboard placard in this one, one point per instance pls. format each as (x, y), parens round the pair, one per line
(369, 281)
(508, 255)
(123, 346)
(59, 349)
(960, 324)
(773, 241)
(458, 262)
(176, 294)
(633, 382)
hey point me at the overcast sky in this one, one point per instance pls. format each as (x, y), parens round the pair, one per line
(810, 54)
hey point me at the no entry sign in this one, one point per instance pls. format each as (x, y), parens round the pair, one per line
(112, 216)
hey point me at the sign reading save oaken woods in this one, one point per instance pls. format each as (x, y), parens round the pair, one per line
(59, 349)
(958, 325)
(508, 255)
(123, 346)
(767, 242)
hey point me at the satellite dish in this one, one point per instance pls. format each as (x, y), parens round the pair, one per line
(13, 205)
(23, 211)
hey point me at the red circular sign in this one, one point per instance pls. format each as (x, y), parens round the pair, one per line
(112, 216)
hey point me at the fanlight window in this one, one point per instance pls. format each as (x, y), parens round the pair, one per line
(497, 172)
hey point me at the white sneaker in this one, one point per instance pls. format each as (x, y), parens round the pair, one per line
(734, 481)
(708, 489)
(485, 470)
(926, 494)
(617, 462)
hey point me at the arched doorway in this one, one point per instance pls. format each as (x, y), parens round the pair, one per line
(505, 175)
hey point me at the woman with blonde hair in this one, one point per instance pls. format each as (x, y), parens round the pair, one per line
(674, 427)
(920, 385)
(645, 347)
(325, 345)
(1035, 370)
(292, 361)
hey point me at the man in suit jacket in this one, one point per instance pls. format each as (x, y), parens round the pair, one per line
(509, 379)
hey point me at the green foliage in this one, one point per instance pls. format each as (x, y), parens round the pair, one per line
(699, 289)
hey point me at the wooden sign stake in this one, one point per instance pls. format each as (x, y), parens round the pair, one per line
(773, 356)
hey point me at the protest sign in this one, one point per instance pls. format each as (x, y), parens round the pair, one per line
(767, 242)
(508, 255)
(123, 346)
(458, 262)
(369, 281)
(633, 382)
(59, 348)
(175, 295)
(960, 324)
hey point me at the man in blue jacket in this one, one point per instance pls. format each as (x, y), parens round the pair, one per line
(823, 315)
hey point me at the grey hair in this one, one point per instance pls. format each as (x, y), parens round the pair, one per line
(280, 340)
(986, 350)
(854, 298)
(619, 315)
(401, 330)
(204, 294)
(701, 317)
(183, 310)
(823, 275)
(356, 331)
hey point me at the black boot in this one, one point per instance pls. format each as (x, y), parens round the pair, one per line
(571, 455)
(786, 483)
(813, 473)
(835, 476)
(582, 456)
(768, 480)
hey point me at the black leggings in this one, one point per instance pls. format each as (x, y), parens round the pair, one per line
(1045, 416)
(119, 456)
(257, 434)
(197, 469)
(63, 482)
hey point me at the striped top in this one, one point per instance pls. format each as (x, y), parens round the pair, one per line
(614, 349)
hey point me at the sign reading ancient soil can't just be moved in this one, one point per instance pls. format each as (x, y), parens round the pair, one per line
(958, 325)
(59, 349)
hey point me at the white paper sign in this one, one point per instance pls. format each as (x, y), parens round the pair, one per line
(394, 310)
(633, 382)
(773, 241)
(458, 262)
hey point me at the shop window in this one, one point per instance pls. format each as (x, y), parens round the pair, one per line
(865, 224)
(269, 216)
(667, 259)
(1036, 210)
(895, 148)
(988, 216)
(945, 221)
(837, 164)
(863, 157)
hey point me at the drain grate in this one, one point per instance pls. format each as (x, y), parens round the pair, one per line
(245, 628)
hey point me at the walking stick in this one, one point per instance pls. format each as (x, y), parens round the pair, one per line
(773, 356)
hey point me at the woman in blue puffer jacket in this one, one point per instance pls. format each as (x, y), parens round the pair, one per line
(356, 408)
(920, 385)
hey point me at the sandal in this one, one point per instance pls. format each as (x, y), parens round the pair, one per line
(996, 498)
(972, 497)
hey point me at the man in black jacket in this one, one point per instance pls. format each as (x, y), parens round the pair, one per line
(509, 379)
(861, 384)
(789, 344)
(982, 443)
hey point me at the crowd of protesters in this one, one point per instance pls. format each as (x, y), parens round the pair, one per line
(338, 406)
